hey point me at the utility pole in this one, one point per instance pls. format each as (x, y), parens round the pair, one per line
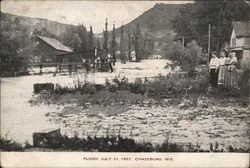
(208, 49)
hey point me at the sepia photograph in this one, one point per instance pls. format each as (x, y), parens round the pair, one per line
(129, 80)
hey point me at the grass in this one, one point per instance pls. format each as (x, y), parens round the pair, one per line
(111, 144)
(173, 89)
(176, 88)
(9, 145)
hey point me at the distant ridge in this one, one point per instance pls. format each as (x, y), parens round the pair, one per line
(31, 24)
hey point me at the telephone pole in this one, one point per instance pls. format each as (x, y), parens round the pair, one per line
(208, 49)
(183, 43)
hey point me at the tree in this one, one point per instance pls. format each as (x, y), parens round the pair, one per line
(193, 20)
(145, 46)
(129, 46)
(98, 44)
(10, 62)
(76, 38)
(105, 36)
(187, 58)
(82, 38)
(137, 38)
(122, 55)
(113, 43)
(90, 39)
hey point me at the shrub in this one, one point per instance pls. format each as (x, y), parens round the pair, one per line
(88, 89)
(9, 145)
(185, 57)
(178, 84)
(244, 83)
(170, 147)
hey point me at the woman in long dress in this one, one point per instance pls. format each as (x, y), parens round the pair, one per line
(222, 68)
(231, 72)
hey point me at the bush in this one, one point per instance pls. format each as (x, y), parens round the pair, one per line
(9, 145)
(170, 147)
(88, 89)
(244, 83)
(83, 88)
(178, 84)
(185, 57)
(102, 144)
(174, 85)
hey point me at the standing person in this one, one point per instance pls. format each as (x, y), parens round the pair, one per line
(213, 69)
(222, 68)
(231, 72)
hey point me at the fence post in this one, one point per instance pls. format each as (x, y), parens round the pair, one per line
(41, 69)
(70, 69)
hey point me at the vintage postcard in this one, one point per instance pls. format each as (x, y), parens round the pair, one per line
(125, 83)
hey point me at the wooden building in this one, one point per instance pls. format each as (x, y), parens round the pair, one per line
(240, 42)
(50, 50)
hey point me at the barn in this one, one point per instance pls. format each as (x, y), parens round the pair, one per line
(50, 50)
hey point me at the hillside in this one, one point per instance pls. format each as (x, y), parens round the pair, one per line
(155, 26)
(155, 22)
(156, 19)
(39, 24)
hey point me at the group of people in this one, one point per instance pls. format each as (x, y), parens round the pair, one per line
(223, 70)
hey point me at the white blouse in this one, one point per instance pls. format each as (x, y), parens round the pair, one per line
(214, 63)
(222, 61)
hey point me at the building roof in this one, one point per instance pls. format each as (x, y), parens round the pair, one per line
(241, 28)
(54, 43)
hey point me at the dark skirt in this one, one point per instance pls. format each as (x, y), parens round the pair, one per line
(214, 77)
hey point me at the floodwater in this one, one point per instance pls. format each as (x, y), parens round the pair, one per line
(19, 119)
(198, 126)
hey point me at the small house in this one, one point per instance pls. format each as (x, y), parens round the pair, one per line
(51, 50)
(240, 42)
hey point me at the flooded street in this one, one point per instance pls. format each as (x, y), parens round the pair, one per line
(198, 126)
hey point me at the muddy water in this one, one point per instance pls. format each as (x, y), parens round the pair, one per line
(202, 126)
(19, 119)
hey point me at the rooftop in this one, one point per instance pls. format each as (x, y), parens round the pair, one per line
(241, 28)
(54, 43)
